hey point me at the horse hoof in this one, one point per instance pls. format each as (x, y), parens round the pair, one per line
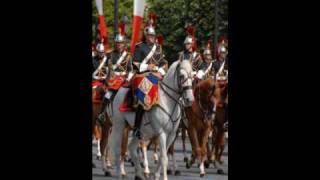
(220, 171)
(142, 165)
(156, 161)
(187, 165)
(137, 178)
(169, 171)
(132, 163)
(206, 164)
(93, 165)
(185, 159)
(108, 174)
(146, 175)
(177, 173)
(123, 176)
(98, 157)
(202, 175)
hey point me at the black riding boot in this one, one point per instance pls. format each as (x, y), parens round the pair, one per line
(137, 122)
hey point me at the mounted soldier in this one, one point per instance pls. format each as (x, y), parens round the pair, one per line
(190, 52)
(119, 66)
(206, 68)
(220, 66)
(148, 57)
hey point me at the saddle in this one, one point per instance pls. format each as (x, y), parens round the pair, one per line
(98, 91)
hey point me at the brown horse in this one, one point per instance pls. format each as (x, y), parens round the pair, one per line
(101, 131)
(97, 92)
(218, 139)
(200, 117)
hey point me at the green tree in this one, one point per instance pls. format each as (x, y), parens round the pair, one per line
(125, 8)
(175, 15)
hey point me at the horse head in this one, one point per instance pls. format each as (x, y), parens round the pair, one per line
(208, 95)
(185, 81)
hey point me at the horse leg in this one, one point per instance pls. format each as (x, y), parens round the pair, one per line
(104, 141)
(204, 141)
(133, 146)
(145, 160)
(183, 136)
(221, 144)
(155, 153)
(209, 153)
(170, 152)
(124, 144)
(173, 161)
(194, 144)
(98, 137)
(163, 157)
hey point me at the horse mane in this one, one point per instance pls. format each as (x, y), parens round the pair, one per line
(205, 86)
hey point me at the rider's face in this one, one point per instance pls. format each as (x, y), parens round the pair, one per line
(222, 56)
(208, 57)
(189, 47)
(100, 54)
(151, 38)
(120, 46)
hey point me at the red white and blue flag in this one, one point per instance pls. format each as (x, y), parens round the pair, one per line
(145, 88)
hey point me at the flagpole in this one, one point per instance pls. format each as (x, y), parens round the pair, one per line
(116, 9)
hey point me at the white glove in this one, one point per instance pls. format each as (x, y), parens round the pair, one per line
(108, 94)
(162, 72)
(200, 74)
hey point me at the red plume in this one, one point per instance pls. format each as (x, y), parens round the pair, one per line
(160, 39)
(210, 44)
(152, 19)
(222, 39)
(190, 30)
(122, 28)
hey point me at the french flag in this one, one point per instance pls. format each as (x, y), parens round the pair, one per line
(138, 10)
(102, 24)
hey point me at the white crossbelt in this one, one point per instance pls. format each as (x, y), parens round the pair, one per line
(120, 60)
(153, 50)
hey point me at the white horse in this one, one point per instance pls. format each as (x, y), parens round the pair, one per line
(161, 120)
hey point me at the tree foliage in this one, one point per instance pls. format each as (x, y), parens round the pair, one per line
(172, 18)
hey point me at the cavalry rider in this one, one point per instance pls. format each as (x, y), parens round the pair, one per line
(148, 57)
(119, 65)
(190, 54)
(206, 68)
(221, 72)
(98, 56)
(220, 67)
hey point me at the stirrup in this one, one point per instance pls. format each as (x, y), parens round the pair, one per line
(101, 118)
(137, 133)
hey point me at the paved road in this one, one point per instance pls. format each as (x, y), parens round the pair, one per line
(186, 174)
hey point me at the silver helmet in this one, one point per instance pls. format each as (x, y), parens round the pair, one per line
(150, 31)
(188, 40)
(120, 38)
(100, 48)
